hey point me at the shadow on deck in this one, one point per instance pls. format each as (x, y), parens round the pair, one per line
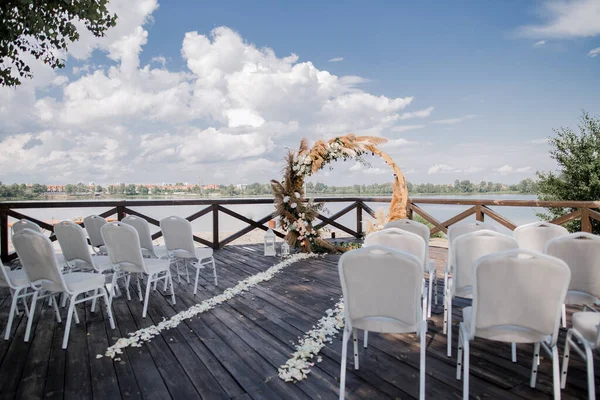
(234, 350)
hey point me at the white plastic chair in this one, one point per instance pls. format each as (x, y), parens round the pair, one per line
(534, 236)
(466, 249)
(581, 252)
(402, 240)
(586, 329)
(17, 283)
(141, 226)
(423, 231)
(93, 226)
(123, 245)
(517, 295)
(25, 224)
(382, 289)
(73, 243)
(39, 261)
(180, 247)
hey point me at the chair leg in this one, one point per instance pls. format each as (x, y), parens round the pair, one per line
(466, 361)
(460, 353)
(564, 316)
(449, 325)
(423, 349)
(139, 287)
(355, 343)
(366, 339)
(148, 285)
(11, 314)
(178, 274)
(76, 316)
(94, 300)
(431, 275)
(56, 311)
(113, 287)
(343, 363)
(31, 315)
(589, 358)
(555, 373)
(435, 285)
(68, 325)
(534, 364)
(187, 270)
(566, 357)
(127, 282)
(214, 271)
(513, 349)
(196, 281)
(108, 309)
(172, 288)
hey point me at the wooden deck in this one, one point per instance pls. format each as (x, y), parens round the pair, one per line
(233, 351)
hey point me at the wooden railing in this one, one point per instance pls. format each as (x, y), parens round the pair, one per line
(586, 211)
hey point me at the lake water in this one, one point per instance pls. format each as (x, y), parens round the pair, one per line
(203, 225)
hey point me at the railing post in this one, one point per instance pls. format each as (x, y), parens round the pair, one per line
(120, 212)
(479, 213)
(215, 215)
(409, 211)
(359, 213)
(4, 232)
(586, 223)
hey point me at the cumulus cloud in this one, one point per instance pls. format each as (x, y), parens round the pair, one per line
(417, 114)
(447, 169)
(336, 59)
(566, 19)
(229, 114)
(594, 52)
(508, 169)
(539, 43)
(453, 121)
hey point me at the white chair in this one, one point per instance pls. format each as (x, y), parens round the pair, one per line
(460, 229)
(17, 283)
(517, 296)
(123, 245)
(534, 236)
(586, 329)
(581, 252)
(382, 289)
(93, 226)
(466, 249)
(73, 243)
(180, 247)
(25, 224)
(423, 231)
(39, 262)
(141, 226)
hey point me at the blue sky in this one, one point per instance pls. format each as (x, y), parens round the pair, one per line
(487, 80)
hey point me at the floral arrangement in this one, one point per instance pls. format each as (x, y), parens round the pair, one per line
(298, 366)
(296, 213)
(136, 338)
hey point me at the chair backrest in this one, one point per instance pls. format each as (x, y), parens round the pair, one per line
(466, 227)
(25, 224)
(469, 247)
(581, 252)
(177, 232)
(519, 288)
(534, 236)
(382, 289)
(412, 226)
(93, 225)
(37, 257)
(123, 246)
(399, 239)
(73, 243)
(143, 230)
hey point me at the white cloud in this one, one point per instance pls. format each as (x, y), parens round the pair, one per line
(160, 60)
(539, 141)
(539, 43)
(404, 128)
(336, 59)
(369, 170)
(453, 121)
(417, 114)
(594, 52)
(508, 169)
(566, 19)
(440, 169)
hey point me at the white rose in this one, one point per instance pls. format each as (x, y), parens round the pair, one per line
(286, 199)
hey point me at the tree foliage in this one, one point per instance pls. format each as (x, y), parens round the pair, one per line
(43, 28)
(578, 173)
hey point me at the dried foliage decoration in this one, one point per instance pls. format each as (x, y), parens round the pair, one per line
(296, 214)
